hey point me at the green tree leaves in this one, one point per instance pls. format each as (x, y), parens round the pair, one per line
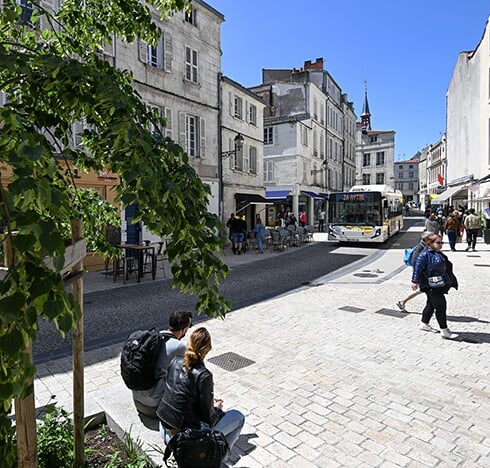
(56, 80)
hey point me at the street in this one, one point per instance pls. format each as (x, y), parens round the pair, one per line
(112, 314)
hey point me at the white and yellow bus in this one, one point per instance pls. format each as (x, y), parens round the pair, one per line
(369, 213)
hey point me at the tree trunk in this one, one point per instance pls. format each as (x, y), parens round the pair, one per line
(78, 356)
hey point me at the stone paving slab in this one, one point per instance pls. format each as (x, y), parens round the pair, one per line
(333, 388)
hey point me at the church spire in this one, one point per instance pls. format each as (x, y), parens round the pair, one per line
(365, 115)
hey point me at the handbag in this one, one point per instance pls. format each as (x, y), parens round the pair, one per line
(436, 282)
(197, 448)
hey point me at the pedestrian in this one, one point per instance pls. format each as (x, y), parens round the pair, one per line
(452, 227)
(441, 219)
(407, 209)
(147, 401)
(302, 219)
(229, 225)
(291, 219)
(431, 224)
(420, 246)
(433, 275)
(188, 400)
(321, 220)
(239, 227)
(471, 223)
(259, 234)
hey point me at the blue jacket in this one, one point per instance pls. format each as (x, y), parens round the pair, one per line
(432, 263)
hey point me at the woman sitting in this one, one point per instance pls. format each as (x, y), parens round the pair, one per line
(188, 400)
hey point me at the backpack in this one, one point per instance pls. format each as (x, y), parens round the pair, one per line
(197, 448)
(411, 254)
(139, 356)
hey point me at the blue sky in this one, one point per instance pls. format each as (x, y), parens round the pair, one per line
(405, 51)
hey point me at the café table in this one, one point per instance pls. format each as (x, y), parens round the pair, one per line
(140, 252)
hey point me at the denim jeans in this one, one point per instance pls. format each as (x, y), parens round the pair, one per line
(230, 425)
(452, 236)
(259, 243)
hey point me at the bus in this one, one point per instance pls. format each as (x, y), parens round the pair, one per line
(369, 213)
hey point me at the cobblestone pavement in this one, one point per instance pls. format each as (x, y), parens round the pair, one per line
(334, 374)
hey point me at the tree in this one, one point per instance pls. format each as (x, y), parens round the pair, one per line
(53, 78)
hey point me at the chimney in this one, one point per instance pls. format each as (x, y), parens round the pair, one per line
(318, 65)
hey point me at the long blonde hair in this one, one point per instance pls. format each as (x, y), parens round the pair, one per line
(198, 346)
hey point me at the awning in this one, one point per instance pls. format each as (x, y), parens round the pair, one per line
(312, 195)
(253, 198)
(276, 194)
(447, 194)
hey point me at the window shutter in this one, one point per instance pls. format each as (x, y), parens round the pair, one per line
(202, 137)
(274, 134)
(231, 103)
(142, 51)
(182, 130)
(168, 52)
(168, 116)
(247, 112)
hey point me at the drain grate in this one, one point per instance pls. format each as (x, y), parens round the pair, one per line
(231, 361)
(352, 309)
(482, 265)
(392, 313)
(365, 275)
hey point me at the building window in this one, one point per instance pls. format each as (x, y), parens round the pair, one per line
(193, 134)
(373, 139)
(366, 159)
(268, 140)
(157, 56)
(315, 109)
(400, 175)
(304, 135)
(167, 131)
(253, 160)
(410, 166)
(410, 185)
(410, 175)
(400, 166)
(252, 115)
(380, 158)
(268, 171)
(190, 17)
(238, 107)
(380, 178)
(191, 64)
(315, 143)
(366, 179)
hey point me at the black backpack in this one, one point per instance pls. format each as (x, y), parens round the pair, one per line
(197, 448)
(139, 356)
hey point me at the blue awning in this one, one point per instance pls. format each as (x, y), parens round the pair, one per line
(312, 195)
(276, 194)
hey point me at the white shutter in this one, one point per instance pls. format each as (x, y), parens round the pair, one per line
(247, 112)
(274, 134)
(202, 137)
(231, 103)
(182, 130)
(142, 51)
(168, 52)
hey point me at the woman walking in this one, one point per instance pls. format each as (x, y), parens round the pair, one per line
(433, 274)
(452, 228)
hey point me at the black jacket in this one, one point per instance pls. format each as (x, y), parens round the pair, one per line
(188, 400)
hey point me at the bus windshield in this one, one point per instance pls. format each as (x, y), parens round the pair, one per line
(358, 208)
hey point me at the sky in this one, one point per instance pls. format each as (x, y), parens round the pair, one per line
(404, 52)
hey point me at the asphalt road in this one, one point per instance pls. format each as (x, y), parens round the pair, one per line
(112, 314)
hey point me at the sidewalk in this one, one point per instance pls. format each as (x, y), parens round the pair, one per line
(333, 374)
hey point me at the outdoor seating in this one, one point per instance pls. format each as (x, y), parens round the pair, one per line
(309, 233)
(278, 242)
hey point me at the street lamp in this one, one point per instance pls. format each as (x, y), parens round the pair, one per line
(238, 146)
(322, 168)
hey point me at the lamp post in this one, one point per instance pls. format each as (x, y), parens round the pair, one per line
(238, 146)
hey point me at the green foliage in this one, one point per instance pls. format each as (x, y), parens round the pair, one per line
(8, 446)
(54, 78)
(55, 438)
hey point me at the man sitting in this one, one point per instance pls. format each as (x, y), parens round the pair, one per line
(147, 401)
